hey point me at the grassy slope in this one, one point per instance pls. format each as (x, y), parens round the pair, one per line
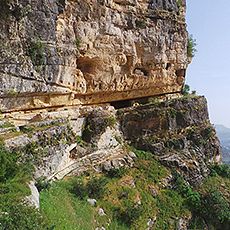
(63, 210)
(128, 201)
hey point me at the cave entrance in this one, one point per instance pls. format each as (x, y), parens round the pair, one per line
(121, 104)
(129, 103)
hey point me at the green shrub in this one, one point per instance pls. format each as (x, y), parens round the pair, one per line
(116, 173)
(222, 170)
(129, 213)
(111, 121)
(140, 24)
(36, 51)
(192, 198)
(215, 210)
(179, 3)
(14, 176)
(26, 129)
(191, 47)
(79, 189)
(197, 223)
(96, 187)
(8, 162)
(186, 90)
(211, 207)
(143, 154)
(5, 9)
(78, 42)
(19, 216)
(41, 184)
(207, 133)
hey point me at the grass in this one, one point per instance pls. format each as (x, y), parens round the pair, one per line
(15, 213)
(126, 198)
(170, 205)
(63, 210)
(36, 51)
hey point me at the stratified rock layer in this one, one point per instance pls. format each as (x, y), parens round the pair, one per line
(55, 53)
(178, 132)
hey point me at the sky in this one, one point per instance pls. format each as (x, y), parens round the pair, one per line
(209, 73)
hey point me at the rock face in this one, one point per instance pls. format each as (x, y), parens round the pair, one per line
(69, 52)
(84, 138)
(55, 53)
(178, 132)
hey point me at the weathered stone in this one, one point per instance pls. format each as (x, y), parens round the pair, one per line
(33, 199)
(92, 201)
(101, 212)
(56, 53)
(177, 132)
(151, 222)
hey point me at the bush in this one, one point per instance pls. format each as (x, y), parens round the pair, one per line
(192, 198)
(143, 154)
(191, 47)
(96, 187)
(222, 170)
(185, 90)
(36, 51)
(179, 3)
(41, 184)
(116, 173)
(79, 189)
(20, 217)
(78, 42)
(5, 9)
(129, 214)
(8, 162)
(215, 210)
(211, 207)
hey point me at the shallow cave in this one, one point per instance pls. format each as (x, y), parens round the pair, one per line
(130, 102)
(121, 104)
(140, 71)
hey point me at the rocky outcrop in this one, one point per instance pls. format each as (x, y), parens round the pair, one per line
(84, 138)
(55, 53)
(178, 132)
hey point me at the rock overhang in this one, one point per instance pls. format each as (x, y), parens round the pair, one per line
(74, 52)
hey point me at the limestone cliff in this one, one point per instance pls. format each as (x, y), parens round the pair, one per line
(70, 141)
(60, 53)
(95, 86)
(57, 52)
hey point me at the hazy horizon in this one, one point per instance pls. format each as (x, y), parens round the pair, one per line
(209, 23)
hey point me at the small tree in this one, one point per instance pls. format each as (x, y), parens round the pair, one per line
(185, 90)
(191, 47)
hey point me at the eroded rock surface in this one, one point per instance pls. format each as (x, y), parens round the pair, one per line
(57, 52)
(178, 132)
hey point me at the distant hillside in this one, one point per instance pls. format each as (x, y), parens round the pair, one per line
(224, 136)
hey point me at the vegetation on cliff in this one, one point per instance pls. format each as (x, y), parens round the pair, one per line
(145, 195)
(191, 47)
(137, 198)
(15, 213)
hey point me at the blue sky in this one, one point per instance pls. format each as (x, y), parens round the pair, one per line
(209, 73)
